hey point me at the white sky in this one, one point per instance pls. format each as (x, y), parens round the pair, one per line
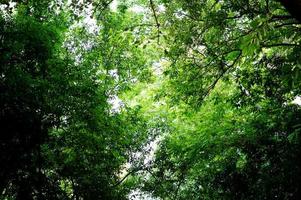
(113, 5)
(297, 100)
(134, 8)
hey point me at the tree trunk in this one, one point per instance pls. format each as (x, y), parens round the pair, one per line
(293, 7)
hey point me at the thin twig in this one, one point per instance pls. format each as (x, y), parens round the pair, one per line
(212, 86)
(125, 177)
(104, 6)
(156, 18)
(280, 45)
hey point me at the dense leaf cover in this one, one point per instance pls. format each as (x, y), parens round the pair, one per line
(236, 65)
(167, 99)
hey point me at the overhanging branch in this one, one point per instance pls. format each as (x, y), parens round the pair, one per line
(156, 18)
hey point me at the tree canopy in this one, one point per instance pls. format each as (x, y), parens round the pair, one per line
(150, 99)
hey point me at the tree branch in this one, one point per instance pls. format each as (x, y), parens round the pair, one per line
(125, 177)
(156, 18)
(279, 45)
(212, 86)
(287, 24)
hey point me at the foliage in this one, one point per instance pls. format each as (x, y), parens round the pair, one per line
(237, 145)
(179, 99)
(225, 152)
(60, 138)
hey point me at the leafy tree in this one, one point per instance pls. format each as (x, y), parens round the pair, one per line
(180, 99)
(224, 152)
(242, 144)
(60, 138)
